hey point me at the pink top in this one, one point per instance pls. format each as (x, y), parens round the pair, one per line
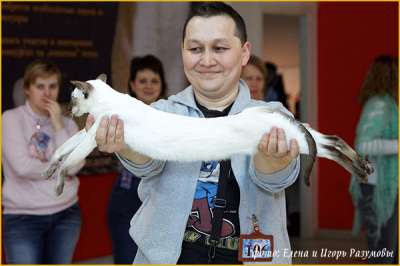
(27, 144)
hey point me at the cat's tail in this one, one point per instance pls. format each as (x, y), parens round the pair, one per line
(293, 128)
(336, 149)
(307, 161)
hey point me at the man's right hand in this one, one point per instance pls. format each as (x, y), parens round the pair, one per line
(110, 134)
(110, 138)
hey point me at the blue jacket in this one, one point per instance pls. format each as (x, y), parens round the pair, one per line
(167, 190)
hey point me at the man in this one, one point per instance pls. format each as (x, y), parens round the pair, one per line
(176, 221)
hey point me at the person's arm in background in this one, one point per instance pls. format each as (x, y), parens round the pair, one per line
(379, 147)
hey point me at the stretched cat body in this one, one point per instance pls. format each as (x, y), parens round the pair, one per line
(166, 136)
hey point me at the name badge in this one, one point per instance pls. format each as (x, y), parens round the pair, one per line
(256, 246)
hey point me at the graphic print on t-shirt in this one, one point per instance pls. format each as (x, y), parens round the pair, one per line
(202, 208)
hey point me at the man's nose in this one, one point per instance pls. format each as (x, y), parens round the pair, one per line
(208, 58)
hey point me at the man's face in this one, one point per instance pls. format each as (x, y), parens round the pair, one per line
(213, 56)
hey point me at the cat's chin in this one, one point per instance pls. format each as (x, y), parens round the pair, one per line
(76, 112)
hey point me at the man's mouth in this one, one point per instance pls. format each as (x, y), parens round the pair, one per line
(208, 74)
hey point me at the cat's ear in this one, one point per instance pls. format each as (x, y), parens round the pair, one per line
(85, 87)
(102, 77)
(75, 83)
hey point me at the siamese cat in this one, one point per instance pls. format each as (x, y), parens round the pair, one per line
(165, 136)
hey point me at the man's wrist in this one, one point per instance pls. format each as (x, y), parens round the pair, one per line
(134, 156)
(268, 164)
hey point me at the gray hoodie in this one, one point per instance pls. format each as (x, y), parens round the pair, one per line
(167, 191)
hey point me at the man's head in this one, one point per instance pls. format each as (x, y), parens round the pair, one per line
(211, 9)
(214, 49)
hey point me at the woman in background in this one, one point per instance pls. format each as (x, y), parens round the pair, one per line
(255, 75)
(146, 83)
(377, 138)
(38, 226)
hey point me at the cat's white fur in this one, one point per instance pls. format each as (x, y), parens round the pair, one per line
(167, 136)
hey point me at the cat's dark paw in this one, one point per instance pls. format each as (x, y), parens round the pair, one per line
(60, 182)
(59, 189)
(51, 170)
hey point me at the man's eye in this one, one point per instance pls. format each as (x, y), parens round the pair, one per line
(195, 49)
(220, 49)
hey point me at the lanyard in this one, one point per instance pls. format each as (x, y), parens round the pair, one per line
(219, 207)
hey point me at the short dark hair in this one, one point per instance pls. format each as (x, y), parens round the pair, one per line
(147, 62)
(211, 9)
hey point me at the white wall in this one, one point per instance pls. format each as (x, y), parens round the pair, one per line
(252, 14)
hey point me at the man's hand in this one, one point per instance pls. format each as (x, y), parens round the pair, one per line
(273, 153)
(110, 138)
(110, 134)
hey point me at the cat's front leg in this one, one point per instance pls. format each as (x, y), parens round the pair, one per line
(63, 151)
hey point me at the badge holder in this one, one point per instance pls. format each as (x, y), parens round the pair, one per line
(256, 246)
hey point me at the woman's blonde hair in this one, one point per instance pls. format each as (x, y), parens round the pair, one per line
(40, 68)
(381, 78)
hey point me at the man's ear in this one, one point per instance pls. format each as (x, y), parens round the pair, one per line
(246, 52)
(102, 77)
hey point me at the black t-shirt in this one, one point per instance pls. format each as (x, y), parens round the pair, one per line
(199, 226)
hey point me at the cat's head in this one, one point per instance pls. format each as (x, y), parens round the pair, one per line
(82, 94)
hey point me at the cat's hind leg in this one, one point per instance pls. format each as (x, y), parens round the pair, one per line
(338, 150)
(357, 160)
(63, 151)
(83, 149)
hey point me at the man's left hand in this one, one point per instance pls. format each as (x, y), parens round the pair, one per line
(273, 152)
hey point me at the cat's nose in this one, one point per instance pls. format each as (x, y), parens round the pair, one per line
(73, 100)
